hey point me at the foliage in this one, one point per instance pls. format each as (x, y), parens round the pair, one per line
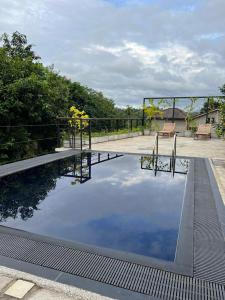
(17, 46)
(190, 112)
(152, 111)
(21, 194)
(76, 117)
(92, 102)
(31, 93)
(220, 127)
(115, 132)
(222, 89)
(209, 106)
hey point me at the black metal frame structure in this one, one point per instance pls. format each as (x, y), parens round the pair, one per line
(79, 164)
(127, 123)
(173, 99)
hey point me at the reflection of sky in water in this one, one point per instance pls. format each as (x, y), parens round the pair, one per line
(122, 207)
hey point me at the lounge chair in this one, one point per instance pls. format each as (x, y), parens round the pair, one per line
(203, 130)
(168, 129)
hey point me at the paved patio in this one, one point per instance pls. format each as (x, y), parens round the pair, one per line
(214, 148)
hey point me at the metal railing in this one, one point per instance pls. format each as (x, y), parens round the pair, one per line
(174, 153)
(81, 136)
(174, 101)
(23, 141)
(155, 150)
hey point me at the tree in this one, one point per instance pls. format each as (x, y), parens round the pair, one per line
(220, 128)
(222, 89)
(30, 94)
(17, 46)
(209, 105)
(22, 192)
(92, 102)
(190, 124)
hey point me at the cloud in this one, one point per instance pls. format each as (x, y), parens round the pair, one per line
(127, 49)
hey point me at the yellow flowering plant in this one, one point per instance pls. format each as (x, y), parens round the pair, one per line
(76, 116)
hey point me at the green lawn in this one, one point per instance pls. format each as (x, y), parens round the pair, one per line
(120, 131)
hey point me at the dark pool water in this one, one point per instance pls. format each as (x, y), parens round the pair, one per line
(120, 202)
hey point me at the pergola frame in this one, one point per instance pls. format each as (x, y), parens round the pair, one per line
(173, 99)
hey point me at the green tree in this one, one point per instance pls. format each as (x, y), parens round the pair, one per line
(30, 94)
(208, 106)
(220, 128)
(94, 103)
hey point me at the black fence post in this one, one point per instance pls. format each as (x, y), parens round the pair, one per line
(81, 134)
(89, 134)
(74, 136)
(174, 101)
(58, 134)
(207, 111)
(131, 125)
(117, 125)
(143, 116)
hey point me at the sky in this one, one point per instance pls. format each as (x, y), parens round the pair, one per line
(128, 49)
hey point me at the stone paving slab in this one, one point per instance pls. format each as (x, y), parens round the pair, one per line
(218, 166)
(44, 289)
(19, 289)
(4, 281)
(212, 148)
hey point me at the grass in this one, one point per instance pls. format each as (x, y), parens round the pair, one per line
(115, 132)
(102, 133)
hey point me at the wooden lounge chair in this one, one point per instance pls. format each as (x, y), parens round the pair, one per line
(168, 129)
(203, 130)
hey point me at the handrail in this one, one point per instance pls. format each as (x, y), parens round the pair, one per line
(175, 144)
(156, 145)
(155, 149)
(97, 119)
(174, 152)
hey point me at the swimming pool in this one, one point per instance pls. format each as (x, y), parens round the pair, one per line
(128, 203)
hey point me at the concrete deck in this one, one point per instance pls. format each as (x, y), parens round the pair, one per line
(214, 148)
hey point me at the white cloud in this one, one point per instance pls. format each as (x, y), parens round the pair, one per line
(157, 48)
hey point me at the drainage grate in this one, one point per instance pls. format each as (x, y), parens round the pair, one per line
(134, 277)
(209, 245)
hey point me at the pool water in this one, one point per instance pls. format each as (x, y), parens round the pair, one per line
(122, 202)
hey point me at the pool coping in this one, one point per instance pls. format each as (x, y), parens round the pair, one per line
(96, 285)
